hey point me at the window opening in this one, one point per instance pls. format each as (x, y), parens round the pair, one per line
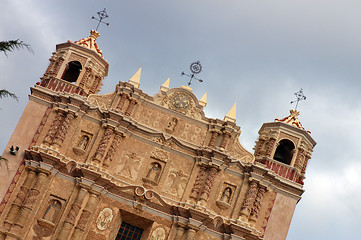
(284, 152)
(72, 71)
(129, 232)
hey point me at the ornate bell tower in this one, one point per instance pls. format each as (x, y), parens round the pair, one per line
(285, 147)
(76, 67)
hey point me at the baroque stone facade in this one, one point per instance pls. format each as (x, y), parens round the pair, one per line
(92, 165)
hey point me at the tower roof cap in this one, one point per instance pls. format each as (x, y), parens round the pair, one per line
(292, 119)
(90, 42)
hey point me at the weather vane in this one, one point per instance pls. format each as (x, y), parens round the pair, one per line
(195, 68)
(102, 14)
(300, 96)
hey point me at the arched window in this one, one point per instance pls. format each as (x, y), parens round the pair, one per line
(284, 151)
(72, 71)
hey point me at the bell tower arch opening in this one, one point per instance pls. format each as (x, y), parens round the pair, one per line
(72, 71)
(284, 151)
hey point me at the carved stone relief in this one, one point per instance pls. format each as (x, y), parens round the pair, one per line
(105, 217)
(160, 154)
(171, 125)
(129, 165)
(177, 181)
(158, 234)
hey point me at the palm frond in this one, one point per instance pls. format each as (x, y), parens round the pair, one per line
(6, 93)
(11, 45)
(2, 159)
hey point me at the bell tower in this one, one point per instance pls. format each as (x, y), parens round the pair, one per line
(285, 147)
(76, 67)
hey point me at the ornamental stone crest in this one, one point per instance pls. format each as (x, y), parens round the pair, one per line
(104, 218)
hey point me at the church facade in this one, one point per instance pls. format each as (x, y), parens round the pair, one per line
(126, 165)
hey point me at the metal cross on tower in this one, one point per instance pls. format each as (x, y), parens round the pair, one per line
(300, 96)
(195, 68)
(102, 14)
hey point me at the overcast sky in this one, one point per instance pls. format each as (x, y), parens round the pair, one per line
(256, 53)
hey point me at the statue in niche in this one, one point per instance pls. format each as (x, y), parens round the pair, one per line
(154, 172)
(226, 195)
(171, 125)
(52, 212)
(131, 164)
(83, 143)
(104, 218)
(158, 234)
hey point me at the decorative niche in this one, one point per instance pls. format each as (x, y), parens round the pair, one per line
(45, 225)
(155, 169)
(226, 195)
(83, 143)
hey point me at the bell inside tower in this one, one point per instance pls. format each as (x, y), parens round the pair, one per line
(284, 152)
(72, 71)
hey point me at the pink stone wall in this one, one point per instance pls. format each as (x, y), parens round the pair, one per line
(21, 137)
(280, 218)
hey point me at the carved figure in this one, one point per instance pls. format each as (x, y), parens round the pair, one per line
(158, 234)
(171, 125)
(226, 195)
(52, 212)
(104, 218)
(130, 165)
(83, 143)
(154, 172)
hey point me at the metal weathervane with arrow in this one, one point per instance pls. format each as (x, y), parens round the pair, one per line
(102, 14)
(300, 96)
(195, 68)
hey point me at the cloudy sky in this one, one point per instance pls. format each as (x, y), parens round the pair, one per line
(256, 53)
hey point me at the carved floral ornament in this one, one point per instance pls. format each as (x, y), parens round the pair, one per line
(160, 155)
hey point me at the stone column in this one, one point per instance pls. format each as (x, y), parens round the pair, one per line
(213, 138)
(85, 217)
(208, 185)
(100, 152)
(248, 201)
(257, 205)
(73, 213)
(85, 77)
(225, 139)
(58, 65)
(30, 200)
(191, 233)
(120, 105)
(130, 107)
(54, 128)
(307, 157)
(20, 198)
(95, 85)
(63, 129)
(198, 183)
(112, 150)
(179, 233)
(259, 145)
(270, 147)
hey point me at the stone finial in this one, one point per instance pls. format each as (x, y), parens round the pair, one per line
(188, 88)
(165, 86)
(203, 101)
(231, 115)
(94, 34)
(135, 80)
